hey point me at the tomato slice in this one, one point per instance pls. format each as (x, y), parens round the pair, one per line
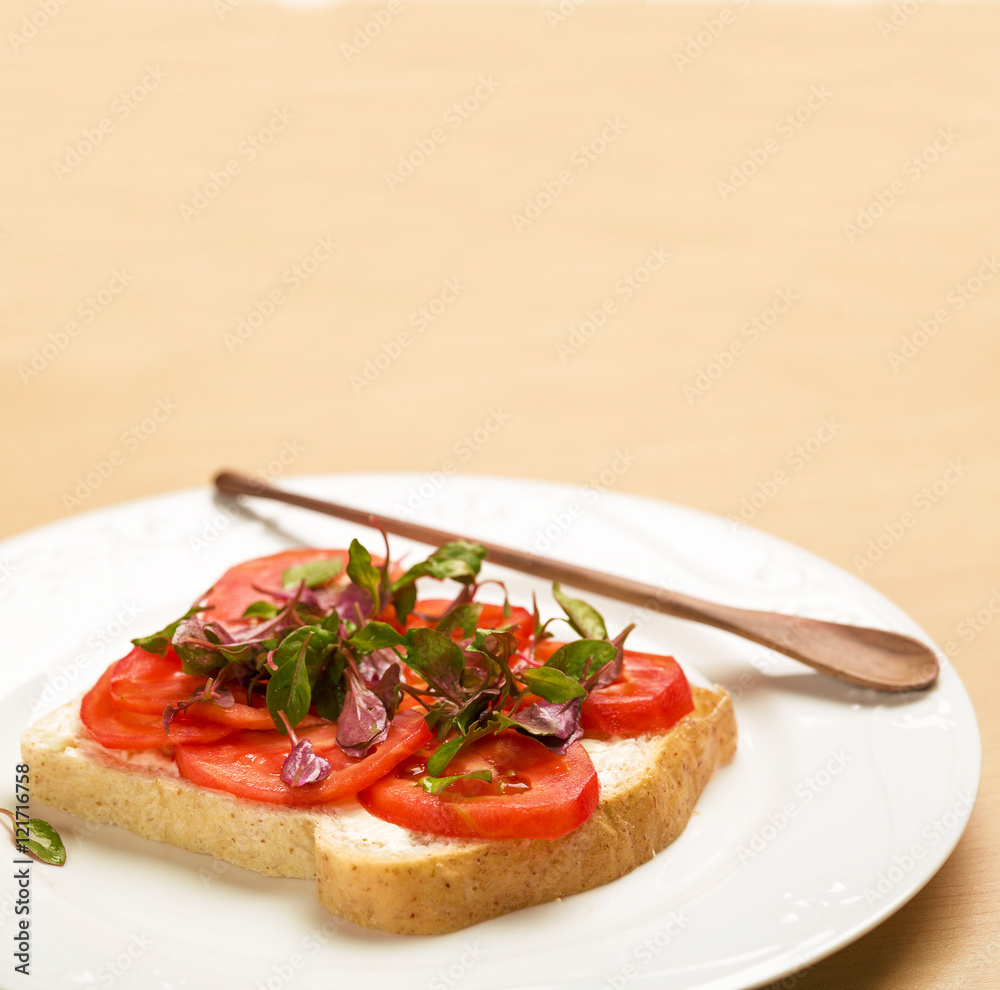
(652, 694)
(146, 683)
(491, 617)
(234, 591)
(118, 729)
(249, 763)
(535, 794)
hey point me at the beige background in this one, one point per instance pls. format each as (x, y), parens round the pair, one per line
(841, 107)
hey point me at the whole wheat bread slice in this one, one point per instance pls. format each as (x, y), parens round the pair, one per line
(376, 874)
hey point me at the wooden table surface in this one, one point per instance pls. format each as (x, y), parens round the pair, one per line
(742, 258)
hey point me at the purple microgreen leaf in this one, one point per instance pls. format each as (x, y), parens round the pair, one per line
(435, 785)
(585, 619)
(313, 573)
(350, 601)
(556, 727)
(373, 666)
(159, 641)
(386, 688)
(612, 670)
(363, 722)
(303, 766)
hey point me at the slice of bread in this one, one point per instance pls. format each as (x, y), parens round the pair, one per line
(377, 874)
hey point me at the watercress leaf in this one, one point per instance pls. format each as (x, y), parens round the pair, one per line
(289, 689)
(437, 659)
(261, 610)
(552, 684)
(314, 573)
(375, 636)
(556, 727)
(435, 785)
(303, 766)
(362, 573)
(404, 599)
(585, 619)
(363, 721)
(582, 657)
(464, 617)
(443, 755)
(44, 842)
(330, 688)
(459, 560)
(159, 641)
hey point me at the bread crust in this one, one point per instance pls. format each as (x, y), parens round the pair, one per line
(388, 878)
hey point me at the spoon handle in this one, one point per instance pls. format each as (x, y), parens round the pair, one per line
(868, 657)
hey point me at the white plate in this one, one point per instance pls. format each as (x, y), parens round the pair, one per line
(840, 805)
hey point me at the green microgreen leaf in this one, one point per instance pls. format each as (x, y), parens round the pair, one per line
(330, 689)
(552, 684)
(581, 657)
(299, 658)
(404, 599)
(435, 785)
(42, 841)
(363, 574)
(374, 636)
(443, 755)
(261, 610)
(437, 659)
(314, 573)
(159, 641)
(459, 560)
(585, 619)
(464, 617)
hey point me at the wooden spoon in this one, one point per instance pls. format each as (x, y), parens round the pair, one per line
(869, 657)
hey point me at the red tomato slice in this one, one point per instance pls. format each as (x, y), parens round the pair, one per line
(146, 683)
(535, 794)
(249, 764)
(234, 591)
(651, 695)
(491, 617)
(118, 729)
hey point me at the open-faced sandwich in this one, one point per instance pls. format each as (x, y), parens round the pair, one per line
(432, 762)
